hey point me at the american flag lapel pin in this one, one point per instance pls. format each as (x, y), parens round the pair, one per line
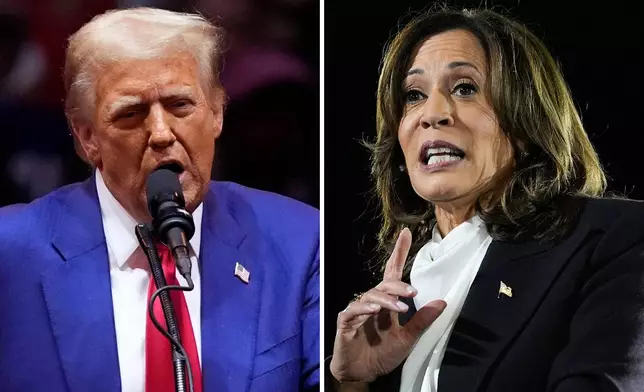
(505, 290)
(242, 273)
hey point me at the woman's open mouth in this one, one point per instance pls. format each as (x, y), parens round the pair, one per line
(439, 154)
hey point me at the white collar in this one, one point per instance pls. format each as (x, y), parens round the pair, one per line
(118, 225)
(442, 269)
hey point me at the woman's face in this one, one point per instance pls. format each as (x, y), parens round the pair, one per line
(449, 133)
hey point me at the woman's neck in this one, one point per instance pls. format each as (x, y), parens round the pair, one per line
(448, 217)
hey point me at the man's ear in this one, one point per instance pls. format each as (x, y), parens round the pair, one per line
(85, 142)
(218, 101)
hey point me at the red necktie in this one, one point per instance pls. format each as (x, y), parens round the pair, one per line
(159, 373)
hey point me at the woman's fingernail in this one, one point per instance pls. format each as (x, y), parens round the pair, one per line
(402, 306)
(374, 306)
(411, 290)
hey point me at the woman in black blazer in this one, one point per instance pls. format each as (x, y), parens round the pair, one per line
(506, 268)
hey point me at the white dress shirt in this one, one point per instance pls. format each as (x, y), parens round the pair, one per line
(444, 268)
(130, 276)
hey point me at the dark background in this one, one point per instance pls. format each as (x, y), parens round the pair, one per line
(600, 47)
(271, 128)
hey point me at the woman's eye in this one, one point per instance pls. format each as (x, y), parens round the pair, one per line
(412, 96)
(464, 89)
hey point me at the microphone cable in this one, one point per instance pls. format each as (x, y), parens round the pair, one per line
(180, 357)
(175, 342)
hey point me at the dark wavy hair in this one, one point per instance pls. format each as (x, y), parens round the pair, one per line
(554, 162)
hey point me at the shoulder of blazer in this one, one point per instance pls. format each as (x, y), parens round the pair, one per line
(276, 218)
(262, 206)
(619, 224)
(36, 219)
(604, 212)
(286, 229)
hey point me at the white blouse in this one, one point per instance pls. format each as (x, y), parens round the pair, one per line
(444, 268)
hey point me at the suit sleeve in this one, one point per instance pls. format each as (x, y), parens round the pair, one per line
(311, 327)
(605, 351)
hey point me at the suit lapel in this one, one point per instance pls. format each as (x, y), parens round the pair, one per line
(78, 295)
(490, 319)
(230, 307)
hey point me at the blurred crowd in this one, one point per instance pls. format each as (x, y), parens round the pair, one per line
(271, 126)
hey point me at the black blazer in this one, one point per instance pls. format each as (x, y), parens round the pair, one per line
(575, 322)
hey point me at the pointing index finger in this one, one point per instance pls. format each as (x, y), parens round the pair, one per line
(396, 263)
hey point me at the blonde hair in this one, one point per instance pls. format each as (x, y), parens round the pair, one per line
(135, 34)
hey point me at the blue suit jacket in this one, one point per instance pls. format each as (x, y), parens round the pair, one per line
(56, 319)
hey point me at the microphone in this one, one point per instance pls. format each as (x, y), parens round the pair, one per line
(170, 219)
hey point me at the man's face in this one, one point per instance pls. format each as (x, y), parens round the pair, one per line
(149, 113)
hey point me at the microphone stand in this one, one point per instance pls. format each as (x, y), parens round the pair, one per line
(146, 240)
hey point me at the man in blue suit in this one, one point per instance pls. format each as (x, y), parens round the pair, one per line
(143, 92)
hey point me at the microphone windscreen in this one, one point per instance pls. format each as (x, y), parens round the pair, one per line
(162, 184)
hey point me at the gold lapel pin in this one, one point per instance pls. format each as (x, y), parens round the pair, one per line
(505, 290)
